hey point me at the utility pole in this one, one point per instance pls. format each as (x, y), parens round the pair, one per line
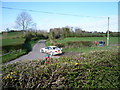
(108, 32)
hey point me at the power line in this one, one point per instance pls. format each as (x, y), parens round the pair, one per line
(54, 13)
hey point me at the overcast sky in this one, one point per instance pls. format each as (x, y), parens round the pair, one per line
(90, 16)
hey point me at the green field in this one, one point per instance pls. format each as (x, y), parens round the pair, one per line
(88, 49)
(15, 41)
(11, 38)
(113, 40)
(12, 35)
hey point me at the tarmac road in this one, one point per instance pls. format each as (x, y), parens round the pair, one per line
(35, 54)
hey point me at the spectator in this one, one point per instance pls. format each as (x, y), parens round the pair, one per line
(47, 56)
(101, 43)
(96, 43)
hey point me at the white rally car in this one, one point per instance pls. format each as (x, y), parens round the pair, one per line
(52, 50)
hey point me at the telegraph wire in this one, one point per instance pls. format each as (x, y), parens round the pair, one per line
(54, 13)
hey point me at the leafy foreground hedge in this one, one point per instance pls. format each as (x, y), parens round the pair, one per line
(93, 70)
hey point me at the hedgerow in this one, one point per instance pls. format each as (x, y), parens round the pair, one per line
(97, 69)
(73, 44)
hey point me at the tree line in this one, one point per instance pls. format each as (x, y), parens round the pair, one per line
(64, 32)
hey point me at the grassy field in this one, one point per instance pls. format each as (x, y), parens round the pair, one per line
(15, 41)
(11, 38)
(88, 49)
(113, 40)
(16, 53)
(12, 35)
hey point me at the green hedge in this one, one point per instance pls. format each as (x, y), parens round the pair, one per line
(9, 48)
(72, 44)
(97, 70)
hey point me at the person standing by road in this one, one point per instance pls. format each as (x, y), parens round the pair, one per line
(101, 43)
(96, 43)
(47, 58)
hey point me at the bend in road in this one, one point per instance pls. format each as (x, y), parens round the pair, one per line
(34, 54)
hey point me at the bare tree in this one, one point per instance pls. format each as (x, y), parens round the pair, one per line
(24, 20)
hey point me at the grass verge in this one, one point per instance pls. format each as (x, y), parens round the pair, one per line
(17, 53)
(11, 56)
